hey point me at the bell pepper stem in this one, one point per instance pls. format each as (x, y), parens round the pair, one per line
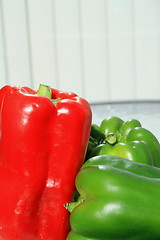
(71, 205)
(111, 138)
(44, 90)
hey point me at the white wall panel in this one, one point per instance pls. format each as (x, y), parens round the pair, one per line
(100, 49)
(147, 48)
(3, 65)
(94, 49)
(15, 35)
(120, 46)
(41, 41)
(68, 45)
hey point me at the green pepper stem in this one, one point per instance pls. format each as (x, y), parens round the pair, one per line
(71, 205)
(44, 90)
(111, 138)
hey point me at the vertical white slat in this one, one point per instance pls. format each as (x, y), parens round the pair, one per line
(15, 30)
(3, 66)
(42, 42)
(121, 51)
(94, 47)
(68, 45)
(147, 48)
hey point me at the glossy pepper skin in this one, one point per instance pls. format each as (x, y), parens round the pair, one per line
(42, 147)
(118, 200)
(96, 138)
(124, 164)
(128, 140)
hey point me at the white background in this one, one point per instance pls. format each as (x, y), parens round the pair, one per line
(101, 49)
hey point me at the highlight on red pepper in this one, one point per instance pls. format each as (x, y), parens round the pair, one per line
(43, 141)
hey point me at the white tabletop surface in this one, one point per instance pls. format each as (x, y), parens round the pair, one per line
(147, 112)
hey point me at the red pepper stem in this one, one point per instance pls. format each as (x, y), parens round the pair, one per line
(44, 90)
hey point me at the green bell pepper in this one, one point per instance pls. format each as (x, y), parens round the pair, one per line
(124, 164)
(128, 140)
(119, 199)
(97, 134)
(96, 138)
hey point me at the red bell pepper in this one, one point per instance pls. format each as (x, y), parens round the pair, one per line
(42, 147)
